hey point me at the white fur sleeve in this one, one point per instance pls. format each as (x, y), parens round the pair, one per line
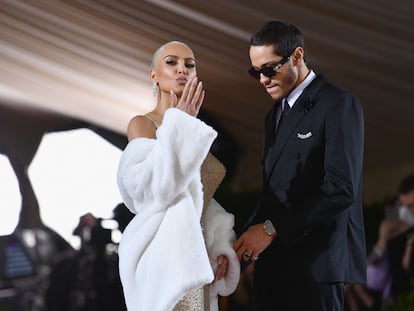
(159, 169)
(220, 237)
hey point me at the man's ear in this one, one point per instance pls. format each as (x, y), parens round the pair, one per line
(298, 55)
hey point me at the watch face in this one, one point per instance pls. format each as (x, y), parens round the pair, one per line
(268, 227)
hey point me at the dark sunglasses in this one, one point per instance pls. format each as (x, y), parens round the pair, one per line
(269, 71)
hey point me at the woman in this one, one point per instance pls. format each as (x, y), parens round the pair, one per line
(176, 254)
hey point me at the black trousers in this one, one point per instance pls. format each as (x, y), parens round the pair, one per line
(299, 297)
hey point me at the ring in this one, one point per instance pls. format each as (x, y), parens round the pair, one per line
(247, 254)
(254, 258)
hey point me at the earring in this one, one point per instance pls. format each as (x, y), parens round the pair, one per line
(154, 88)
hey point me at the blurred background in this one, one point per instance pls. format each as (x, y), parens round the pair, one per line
(72, 74)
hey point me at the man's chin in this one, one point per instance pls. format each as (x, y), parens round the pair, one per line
(275, 96)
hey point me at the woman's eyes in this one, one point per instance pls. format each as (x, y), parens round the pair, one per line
(173, 63)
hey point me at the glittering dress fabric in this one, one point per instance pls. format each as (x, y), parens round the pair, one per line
(212, 174)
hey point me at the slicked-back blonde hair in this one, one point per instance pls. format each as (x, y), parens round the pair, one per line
(156, 55)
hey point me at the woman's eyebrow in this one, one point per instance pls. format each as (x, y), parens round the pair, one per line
(175, 56)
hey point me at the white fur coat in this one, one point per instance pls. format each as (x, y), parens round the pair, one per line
(162, 252)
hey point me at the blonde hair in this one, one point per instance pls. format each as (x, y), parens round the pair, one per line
(156, 55)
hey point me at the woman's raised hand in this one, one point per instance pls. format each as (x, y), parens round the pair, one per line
(191, 99)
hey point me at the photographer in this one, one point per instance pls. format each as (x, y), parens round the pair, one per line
(89, 280)
(399, 247)
(390, 265)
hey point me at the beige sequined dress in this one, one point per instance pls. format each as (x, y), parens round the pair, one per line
(212, 174)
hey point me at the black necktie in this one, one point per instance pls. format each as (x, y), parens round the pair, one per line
(284, 107)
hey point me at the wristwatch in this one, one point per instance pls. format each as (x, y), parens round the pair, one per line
(269, 228)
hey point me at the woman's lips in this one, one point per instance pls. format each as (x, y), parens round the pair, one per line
(182, 81)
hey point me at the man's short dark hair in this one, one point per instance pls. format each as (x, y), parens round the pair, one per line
(285, 38)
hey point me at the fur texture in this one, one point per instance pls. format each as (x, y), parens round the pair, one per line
(162, 253)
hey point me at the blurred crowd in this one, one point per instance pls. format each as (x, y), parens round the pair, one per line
(390, 268)
(43, 272)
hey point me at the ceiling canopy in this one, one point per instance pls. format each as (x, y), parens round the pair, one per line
(89, 60)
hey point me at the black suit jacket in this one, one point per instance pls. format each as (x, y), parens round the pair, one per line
(312, 190)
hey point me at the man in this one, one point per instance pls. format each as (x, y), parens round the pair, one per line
(306, 236)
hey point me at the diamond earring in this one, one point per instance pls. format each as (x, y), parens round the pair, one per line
(154, 88)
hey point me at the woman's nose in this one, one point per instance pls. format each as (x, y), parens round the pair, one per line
(182, 68)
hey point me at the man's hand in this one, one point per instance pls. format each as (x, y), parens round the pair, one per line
(252, 243)
(388, 229)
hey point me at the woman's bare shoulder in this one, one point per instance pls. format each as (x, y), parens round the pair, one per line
(140, 126)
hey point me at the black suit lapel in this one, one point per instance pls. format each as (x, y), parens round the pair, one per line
(290, 122)
(299, 110)
(270, 125)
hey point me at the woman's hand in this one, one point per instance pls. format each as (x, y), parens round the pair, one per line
(191, 99)
(222, 266)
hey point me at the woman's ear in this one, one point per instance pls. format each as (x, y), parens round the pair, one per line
(153, 76)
